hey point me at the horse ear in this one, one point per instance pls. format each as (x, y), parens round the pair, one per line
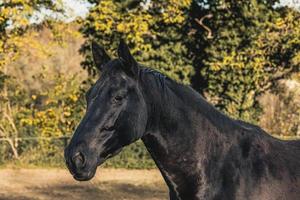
(100, 57)
(129, 63)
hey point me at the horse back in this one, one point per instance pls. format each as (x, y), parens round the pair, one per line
(268, 168)
(275, 168)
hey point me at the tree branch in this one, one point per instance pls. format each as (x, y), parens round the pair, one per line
(281, 74)
(200, 22)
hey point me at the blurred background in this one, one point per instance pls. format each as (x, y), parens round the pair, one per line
(242, 56)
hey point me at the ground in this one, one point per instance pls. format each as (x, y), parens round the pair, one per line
(109, 184)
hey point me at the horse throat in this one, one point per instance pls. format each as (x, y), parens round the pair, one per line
(172, 144)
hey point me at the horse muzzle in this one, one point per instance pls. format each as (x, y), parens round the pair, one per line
(79, 166)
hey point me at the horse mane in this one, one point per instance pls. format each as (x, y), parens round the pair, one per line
(158, 77)
(168, 90)
(173, 94)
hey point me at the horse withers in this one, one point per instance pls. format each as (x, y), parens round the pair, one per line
(201, 153)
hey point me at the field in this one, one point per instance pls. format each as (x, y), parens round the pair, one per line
(109, 184)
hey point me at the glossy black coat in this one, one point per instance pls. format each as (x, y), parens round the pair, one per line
(201, 153)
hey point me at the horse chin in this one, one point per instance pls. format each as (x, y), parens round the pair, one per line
(86, 176)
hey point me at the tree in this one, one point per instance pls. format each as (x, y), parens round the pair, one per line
(238, 49)
(154, 30)
(15, 18)
(253, 45)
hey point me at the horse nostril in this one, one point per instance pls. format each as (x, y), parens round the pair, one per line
(79, 160)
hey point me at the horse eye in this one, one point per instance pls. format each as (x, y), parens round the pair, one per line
(118, 99)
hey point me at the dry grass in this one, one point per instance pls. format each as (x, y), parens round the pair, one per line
(109, 184)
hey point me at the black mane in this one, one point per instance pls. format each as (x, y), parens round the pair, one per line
(168, 88)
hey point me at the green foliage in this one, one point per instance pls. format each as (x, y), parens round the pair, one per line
(3, 77)
(52, 113)
(14, 22)
(49, 114)
(254, 44)
(154, 33)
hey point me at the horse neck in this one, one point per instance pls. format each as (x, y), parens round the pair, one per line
(182, 127)
(178, 114)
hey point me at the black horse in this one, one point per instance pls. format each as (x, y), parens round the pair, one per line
(201, 153)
